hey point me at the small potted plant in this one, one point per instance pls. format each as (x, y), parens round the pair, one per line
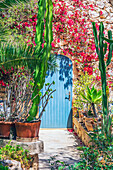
(92, 97)
(6, 120)
(17, 103)
(30, 129)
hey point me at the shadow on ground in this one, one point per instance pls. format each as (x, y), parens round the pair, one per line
(58, 145)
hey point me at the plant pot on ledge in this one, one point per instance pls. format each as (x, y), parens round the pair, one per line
(28, 130)
(92, 119)
(5, 129)
(89, 125)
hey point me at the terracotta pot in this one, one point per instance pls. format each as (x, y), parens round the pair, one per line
(80, 120)
(92, 119)
(89, 126)
(5, 128)
(27, 130)
(81, 116)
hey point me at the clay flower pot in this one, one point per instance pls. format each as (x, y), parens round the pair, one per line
(81, 116)
(92, 119)
(28, 130)
(89, 125)
(5, 128)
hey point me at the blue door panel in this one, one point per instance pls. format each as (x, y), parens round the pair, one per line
(58, 113)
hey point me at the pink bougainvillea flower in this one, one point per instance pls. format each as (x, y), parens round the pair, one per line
(30, 20)
(98, 77)
(12, 68)
(101, 12)
(34, 23)
(58, 40)
(43, 45)
(35, 19)
(52, 44)
(34, 30)
(34, 16)
(28, 41)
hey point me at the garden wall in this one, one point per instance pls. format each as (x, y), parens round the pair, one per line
(98, 11)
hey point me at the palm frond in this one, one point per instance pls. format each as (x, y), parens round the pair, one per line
(4, 4)
(23, 55)
(52, 65)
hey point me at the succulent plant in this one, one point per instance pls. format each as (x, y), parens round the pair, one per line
(93, 97)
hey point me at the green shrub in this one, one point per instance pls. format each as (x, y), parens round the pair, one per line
(16, 153)
(80, 86)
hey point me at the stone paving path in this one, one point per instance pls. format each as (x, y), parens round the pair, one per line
(61, 143)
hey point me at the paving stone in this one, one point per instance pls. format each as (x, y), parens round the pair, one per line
(61, 143)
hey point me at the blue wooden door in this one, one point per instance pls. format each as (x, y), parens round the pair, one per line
(58, 113)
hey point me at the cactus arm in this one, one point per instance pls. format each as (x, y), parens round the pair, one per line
(95, 35)
(103, 68)
(108, 40)
(40, 24)
(110, 48)
(109, 55)
(105, 48)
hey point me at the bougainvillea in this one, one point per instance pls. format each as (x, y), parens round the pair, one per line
(72, 26)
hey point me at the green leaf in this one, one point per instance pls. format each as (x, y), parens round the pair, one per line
(40, 94)
(46, 92)
(38, 84)
(94, 95)
(92, 89)
(88, 89)
(53, 82)
(85, 97)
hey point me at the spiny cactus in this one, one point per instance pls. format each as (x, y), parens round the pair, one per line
(44, 13)
(101, 49)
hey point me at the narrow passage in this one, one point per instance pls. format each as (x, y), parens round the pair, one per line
(60, 145)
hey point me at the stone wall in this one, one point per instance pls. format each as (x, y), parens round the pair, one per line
(103, 12)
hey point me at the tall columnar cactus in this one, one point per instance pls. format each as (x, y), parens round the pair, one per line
(101, 49)
(44, 19)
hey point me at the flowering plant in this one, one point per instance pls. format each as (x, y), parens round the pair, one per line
(18, 100)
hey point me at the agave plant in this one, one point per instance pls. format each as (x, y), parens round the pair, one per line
(93, 97)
